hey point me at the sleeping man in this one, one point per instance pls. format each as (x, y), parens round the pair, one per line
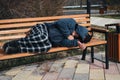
(41, 37)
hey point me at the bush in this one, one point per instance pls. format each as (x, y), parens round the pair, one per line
(30, 8)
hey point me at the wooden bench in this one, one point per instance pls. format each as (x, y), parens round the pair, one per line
(16, 28)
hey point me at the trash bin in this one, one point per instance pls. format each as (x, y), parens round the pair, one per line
(114, 43)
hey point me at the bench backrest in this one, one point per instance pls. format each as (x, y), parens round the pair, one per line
(16, 28)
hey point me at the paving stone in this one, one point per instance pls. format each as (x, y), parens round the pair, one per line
(113, 69)
(82, 68)
(96, 74)
(54, 70)
(112, 77)
(14, 71)
(98, 55)
(30, 67)
(66, 74)
(35, 75)
(118, 64)
(45, 67)
(96, 65)
(2, 72)
(51, 76)
(70, 64)
(56, 67)
(23, 75)
(77, 58)
(5, 78)
(79, 76)
(61, 60)
(84, 61)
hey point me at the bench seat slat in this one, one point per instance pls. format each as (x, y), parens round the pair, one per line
(93, 42)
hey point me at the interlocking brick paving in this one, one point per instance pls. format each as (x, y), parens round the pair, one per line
(70, 68)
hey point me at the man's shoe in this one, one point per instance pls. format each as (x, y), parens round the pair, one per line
(11, 50)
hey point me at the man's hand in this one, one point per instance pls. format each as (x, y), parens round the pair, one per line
(81, 45)
(70, 37)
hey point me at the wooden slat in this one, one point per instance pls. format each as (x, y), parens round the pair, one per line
(41, 18)
(93, 42)
(18, 25)
(12, 37)
(86, 24)
(82, 20)
(20, 30)
(4, 57)
(14, 31)
(5, 26)
(1, 44)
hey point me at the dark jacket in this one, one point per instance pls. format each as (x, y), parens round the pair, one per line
(60, 30)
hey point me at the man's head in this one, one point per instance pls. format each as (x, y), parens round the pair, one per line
(82, 34)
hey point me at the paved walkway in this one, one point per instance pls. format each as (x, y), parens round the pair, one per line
(102, 21)
(70, 68)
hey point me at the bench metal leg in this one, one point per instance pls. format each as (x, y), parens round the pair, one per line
(92, 54)
(106, 57)
(106, 52)
(84, 54)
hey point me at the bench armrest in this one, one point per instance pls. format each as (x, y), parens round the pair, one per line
(99, 30)
(105, 31)
(114, 24)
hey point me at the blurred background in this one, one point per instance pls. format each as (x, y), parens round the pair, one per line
(37, 8)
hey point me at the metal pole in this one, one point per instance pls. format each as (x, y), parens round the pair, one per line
(88, 7)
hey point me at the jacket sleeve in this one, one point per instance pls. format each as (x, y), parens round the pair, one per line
(62, 26)
(66, 26)
(69, 43)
